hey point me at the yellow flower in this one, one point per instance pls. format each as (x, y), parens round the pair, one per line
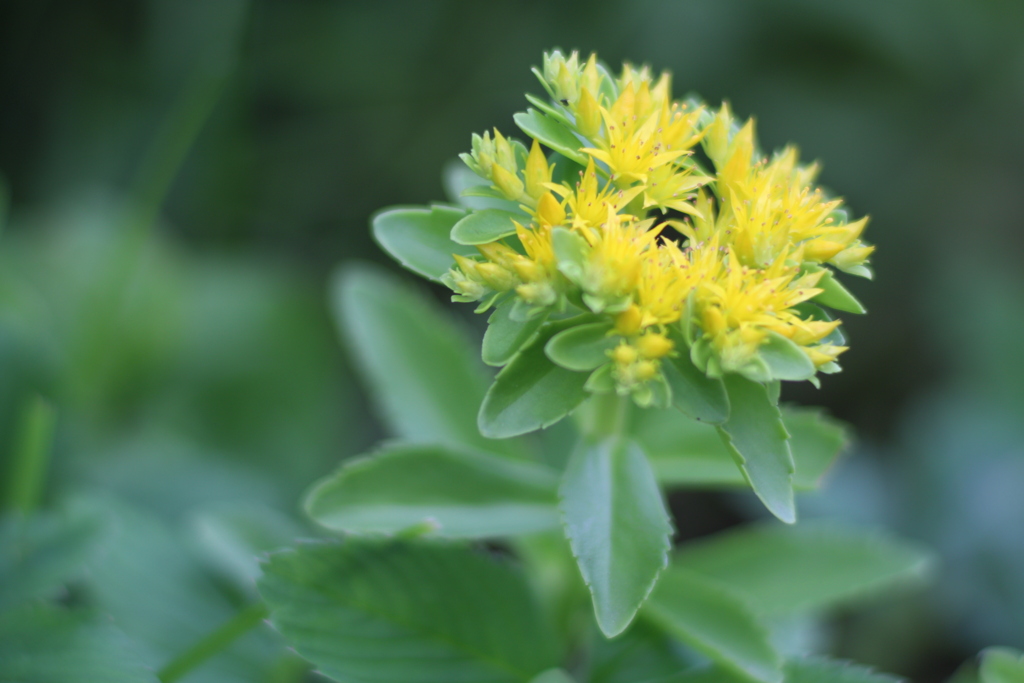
(756, 231)
(589, 204)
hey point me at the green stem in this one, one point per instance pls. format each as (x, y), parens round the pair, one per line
(606, 416)
(31, 454)
(213, 643)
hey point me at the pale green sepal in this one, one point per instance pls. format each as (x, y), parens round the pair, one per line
(571, 252)
(834, 295)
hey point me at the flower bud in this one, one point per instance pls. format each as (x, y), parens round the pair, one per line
(646, 370)
(588, 115)
(537, 173)
(624, 354)
(504, 154)
(627, 323)
(508, 183)
(654, 345)
(549, 210)
(496, 277)
(821, 249)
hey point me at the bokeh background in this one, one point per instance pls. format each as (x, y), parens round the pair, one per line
(181, 176)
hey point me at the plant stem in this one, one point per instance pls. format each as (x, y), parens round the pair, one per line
(31, 454)
(606, 416)
(213, 643)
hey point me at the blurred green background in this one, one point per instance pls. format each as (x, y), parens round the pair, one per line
(182, 176)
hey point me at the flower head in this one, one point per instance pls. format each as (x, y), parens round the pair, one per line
(744, 242)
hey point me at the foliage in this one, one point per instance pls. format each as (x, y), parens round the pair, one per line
(190, 399)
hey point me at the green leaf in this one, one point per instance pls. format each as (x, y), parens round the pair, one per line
(716, 622)
(643, 652)
(582, 348)
(481, 227)
(1002, 665)
(234, 535)
(687, 453)
(395, 611)
(421, 371)
(154, 587)
(463, 494)
(834, 295)
(554, 676)
(760, 444)
(420, 238)
(40, 644)
(805, 670)
(784, 570)
(693, 392)
(39, 554)
(531, 392)
(552, 134)
(617, 526)
(785, 360)
(505, 336)
(823, 670)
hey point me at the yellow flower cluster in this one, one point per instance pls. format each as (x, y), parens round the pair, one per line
(716, 262)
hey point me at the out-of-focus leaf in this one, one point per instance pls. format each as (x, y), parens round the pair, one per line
(1002, 665)
(234, 536)
(759, 442)
(40, 644)
(782, 570)
(617, 525)
(422, 372)
(643, 652)
(420, 237)
(481, 227)
(531, 392)
(158, 591)
(806, 670)
(554, 676)
(823, 670)
(462, 494)
(505, 336)
(687, 453)
(716, 622)
(40, 553)
(581, 348)
(385, 610)
(551, 133)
